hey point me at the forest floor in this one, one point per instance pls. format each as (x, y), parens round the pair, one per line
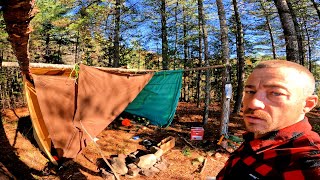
(20, 155)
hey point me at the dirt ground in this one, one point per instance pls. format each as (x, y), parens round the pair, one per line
(20, 155)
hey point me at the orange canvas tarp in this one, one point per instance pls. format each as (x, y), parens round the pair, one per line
(56, 97)
(71, 110)
(40, 131)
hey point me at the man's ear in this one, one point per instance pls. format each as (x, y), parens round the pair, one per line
(310, 103)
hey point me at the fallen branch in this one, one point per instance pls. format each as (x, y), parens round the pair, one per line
(204, 164)
(186, 141)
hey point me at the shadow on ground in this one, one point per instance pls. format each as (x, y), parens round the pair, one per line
(14, 164)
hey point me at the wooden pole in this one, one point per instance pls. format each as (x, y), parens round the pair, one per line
(65, 66)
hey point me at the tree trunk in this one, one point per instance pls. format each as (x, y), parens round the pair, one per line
(240, 57)
(117, 36)
(185, 50)
(17, 15)
(198, 87)
(308, 44)
(225, 76)
(315, 5)
(76, 57)
(47, 48)
(200, 37)
(165, 57)
(203, 35)
(176, 35)
(298, 30)
(1, 58)
(288, 30)
(266, 15)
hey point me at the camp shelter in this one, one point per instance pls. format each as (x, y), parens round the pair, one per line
(69, 112)
(159, 98)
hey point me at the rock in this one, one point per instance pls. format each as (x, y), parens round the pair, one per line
(159, 153)
(154, 169)
(147, 161)
(106, 175)
(134, 172)
(122, 157)
(132, 158)
(119, 165)
(147, 172)
(154, 149)
(161, 166)
(132, 166)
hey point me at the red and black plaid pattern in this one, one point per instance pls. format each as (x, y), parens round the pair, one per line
(292, 153)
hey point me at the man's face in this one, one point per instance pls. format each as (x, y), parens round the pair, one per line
(273, 99)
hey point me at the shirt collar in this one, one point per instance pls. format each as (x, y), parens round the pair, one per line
(279, 137)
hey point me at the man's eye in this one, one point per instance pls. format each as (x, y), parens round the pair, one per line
(250, 92)
(276, 93)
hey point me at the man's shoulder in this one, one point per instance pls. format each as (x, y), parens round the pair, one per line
(310, 139)
(306, 149)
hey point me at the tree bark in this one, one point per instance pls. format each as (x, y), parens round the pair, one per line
(76, 57)
(288, 30)
(298, 30)
(17, 15)
(117, 36)
(176, 35)
(165, 57)
(204, 36)
(200, 37)
(47, 48)
(225, 76)
(266, 15)
(240, 57)
(185, 52)
(308, 44)
(315, 5)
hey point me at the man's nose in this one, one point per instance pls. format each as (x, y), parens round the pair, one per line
(257, 101)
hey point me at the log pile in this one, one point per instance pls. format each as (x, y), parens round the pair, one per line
(139, 163)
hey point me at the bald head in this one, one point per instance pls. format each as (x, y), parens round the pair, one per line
(277, 94)
(306, 76)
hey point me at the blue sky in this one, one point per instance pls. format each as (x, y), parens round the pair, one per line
(149, 37)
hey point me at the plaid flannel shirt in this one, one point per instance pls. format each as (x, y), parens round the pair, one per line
(292, 153)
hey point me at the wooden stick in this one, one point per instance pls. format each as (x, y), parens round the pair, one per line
(186, 141)
(204, 164)
(100, 152)
(38, 65)
(65, 66)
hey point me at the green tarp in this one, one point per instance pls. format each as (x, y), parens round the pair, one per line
(159, 98)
